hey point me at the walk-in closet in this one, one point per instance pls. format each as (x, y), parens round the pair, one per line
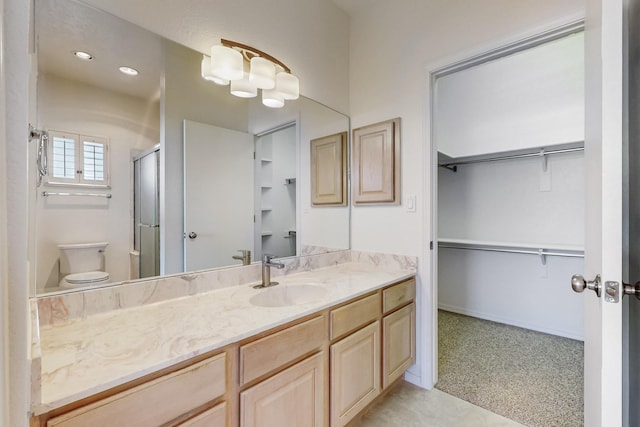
(509, 129)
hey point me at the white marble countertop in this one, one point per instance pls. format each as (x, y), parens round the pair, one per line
(91, 355)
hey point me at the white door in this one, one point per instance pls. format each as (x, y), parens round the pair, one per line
(218, 195)
(603, 239)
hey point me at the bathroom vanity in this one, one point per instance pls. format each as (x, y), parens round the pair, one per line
(314, 350)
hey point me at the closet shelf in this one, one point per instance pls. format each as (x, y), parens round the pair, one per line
(540, 249)
(541, 153)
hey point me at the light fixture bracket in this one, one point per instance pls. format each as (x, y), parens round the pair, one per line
(249, 52)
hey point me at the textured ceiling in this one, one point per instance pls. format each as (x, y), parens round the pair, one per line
(64, 26)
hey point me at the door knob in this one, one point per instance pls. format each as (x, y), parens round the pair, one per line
(631, 289)
(192, 235)
(579, 284)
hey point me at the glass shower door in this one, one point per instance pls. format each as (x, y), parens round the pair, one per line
(146, 213)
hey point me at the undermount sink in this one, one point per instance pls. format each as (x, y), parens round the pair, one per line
(280, 296)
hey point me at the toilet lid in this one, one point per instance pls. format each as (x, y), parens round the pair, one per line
(88, 277)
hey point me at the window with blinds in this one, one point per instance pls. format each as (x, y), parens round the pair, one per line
(77, 159)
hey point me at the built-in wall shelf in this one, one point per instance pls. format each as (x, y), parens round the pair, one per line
(541, 249)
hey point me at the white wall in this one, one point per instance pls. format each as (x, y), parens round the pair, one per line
(308, 36)
(130, 124)
(528, 99)
(17, 94)
(393, 45)
(186, 96)
(514, 289)
(513, 201)
(508, 201)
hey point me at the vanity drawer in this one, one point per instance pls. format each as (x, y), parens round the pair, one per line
(156, 402)
(214, 417)
(273, 351)
(398, 295)
(354, 315)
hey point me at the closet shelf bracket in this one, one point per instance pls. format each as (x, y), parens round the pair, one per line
(543, 257)
(543, 157)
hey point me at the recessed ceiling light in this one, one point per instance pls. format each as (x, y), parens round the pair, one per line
(129, 71)
(85, 56)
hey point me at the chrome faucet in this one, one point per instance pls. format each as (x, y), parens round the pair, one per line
(267, 263)
(245, 257)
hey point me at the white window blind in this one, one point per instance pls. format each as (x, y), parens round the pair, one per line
(78, 159)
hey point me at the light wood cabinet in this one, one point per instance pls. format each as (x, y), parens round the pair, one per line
(376, 164)
(155, 402)
(214, 417)
(318, 371)
(329, 170)
(355, 373)
(398, 343)
(398, 295)
(291, 398)
(352, 316)
(274, 351)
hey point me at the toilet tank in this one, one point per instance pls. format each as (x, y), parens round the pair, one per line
(82, 257)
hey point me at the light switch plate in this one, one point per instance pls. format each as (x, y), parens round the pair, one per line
(411, 203)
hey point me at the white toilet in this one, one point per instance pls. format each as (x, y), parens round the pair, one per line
(82, 265)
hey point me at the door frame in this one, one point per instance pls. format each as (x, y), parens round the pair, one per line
(434, 72)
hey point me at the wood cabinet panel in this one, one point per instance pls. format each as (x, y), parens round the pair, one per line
(156, 402)
(292, 398)
(398, 295)
(214, 417)
(352, 316)
(273, 351)
(355, 373)
(329, 170)
(399, 343)
(376, 164)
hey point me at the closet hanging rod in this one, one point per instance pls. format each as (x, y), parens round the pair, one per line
(105, 195)
(514, 156)
(515, 251)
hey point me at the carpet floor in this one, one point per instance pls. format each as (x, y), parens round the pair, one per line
(530, 377)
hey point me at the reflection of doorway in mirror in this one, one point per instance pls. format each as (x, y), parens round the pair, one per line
(145, 258)
(276, 197)
(218, 201)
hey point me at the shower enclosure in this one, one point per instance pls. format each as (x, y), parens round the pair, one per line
(146, 209)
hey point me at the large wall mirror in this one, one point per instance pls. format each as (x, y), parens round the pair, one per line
(162, 172)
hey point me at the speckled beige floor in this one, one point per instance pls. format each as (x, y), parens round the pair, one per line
(409, 406)
(527, 376)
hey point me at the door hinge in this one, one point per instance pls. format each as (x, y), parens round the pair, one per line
(431, 245)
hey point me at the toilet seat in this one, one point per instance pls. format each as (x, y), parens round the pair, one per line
(88, 278)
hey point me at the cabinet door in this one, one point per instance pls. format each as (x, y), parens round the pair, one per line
(399, 343)
(355, 373)
(376, 164)
(328, 170)
(292, 398)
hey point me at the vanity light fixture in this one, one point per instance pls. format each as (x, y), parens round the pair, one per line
(248, 69)
(128, 71)
(85, 56)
